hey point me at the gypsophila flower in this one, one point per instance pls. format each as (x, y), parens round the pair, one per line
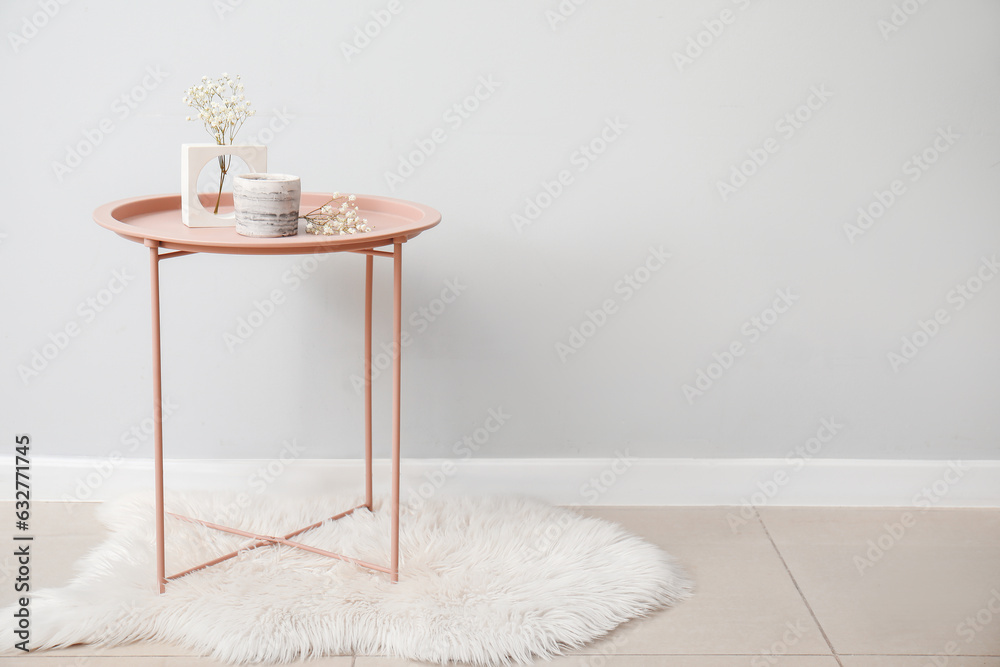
(332, 220)
(221, 105)
(223, 109)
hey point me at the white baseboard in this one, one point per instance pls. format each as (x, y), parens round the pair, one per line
(620, 481)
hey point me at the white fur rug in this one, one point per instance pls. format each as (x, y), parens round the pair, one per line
(485, 581)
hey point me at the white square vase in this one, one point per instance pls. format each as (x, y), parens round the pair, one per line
(194, 157)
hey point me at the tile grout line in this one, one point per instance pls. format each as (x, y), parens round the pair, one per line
(795, 583)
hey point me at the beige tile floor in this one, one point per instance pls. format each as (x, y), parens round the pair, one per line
(781, 587)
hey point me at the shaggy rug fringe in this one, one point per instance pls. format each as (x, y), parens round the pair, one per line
(487, 581)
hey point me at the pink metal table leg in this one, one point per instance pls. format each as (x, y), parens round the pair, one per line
(397, 289)
(369, 262)
(154, 283)
(397, 316)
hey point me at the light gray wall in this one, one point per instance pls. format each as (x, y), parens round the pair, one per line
(880, 95)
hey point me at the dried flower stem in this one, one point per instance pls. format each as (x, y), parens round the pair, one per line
(333, 220)
(223, 108)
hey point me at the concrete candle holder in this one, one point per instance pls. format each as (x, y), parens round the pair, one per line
(267, 205)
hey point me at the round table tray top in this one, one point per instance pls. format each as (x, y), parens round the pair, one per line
(158, 218)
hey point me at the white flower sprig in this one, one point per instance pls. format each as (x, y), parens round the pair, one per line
(223, 108)
(221, 105)
(337, 216)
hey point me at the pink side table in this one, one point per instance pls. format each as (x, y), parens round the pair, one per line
(155, 221)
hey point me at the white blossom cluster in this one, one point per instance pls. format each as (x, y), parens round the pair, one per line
(221, 105)
(332, 219)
